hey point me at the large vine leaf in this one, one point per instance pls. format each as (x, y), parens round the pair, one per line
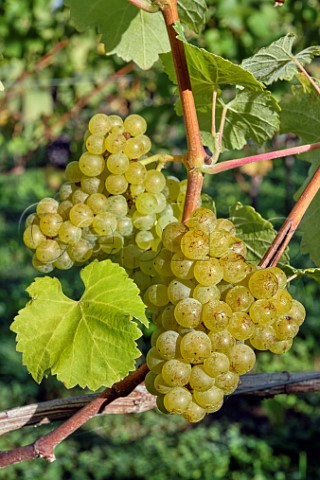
(257, 233)
(250, 115)
(300, 114)
(127, 31)
(277, 62)
(193, 13)
(207, 73)
(89, 342)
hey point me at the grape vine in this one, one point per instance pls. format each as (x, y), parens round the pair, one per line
(120, 215)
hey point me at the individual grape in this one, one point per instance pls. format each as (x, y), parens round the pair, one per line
(194, 413)
(142, 221)
(79, 196)
(32, 219)
(172, 188)
(281, 346)
(154, 361)
(176, 373)
(177, 400)
(263, 338)
(69, 233)
(48, 251)
(228, 382)
(236, 245)
(135, 124)
(63, 262)
(203, 219)
(187, 312)
(104, 223)
(208, 271)
(50, 224)
(235, 268)
(162, 263)
(162, 221)
(195, 346)
(172, 235)
(134, 148)
(129, 256)
(241, 326)
(97, 202)
(216, 315)
(181, 266)
(219, 241)
(285, 328)
(65, 193)
(155, 181)
(216, 364)
(89, 235)
(118, 163)
(92, 185)
(64, 209)
(95, 144)
(144, 239)
(146, 142)
(157, 295)
(136, 173)
(265, 311)
(211, 400)
(91, 165)
(124, 226)
(179, 289)
(199, 379)
(160, 385)
(195, 244)
(41, 267)
(81, 215)
(242, 359)
(116, 184)
(297, 312)
(281, 276)
(239, 298)
(100, 124)
(115, 142)
(117, 204)
(206, 294)
(223, 224)
(135, 190)
(47, 205)
(160, 404)
(155, 335)
(73, 172)
(222, 341)
(284, 300)
(168, 344)
(146, 263)
(146, 203)
(263, 284)
(111, 244)
(33, 236)
(149, 383)
(168, 320)
(81, 251)
(115, 121)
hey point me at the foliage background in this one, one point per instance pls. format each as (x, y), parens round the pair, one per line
(274, 438)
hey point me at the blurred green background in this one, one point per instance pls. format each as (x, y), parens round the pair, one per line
(55, 79)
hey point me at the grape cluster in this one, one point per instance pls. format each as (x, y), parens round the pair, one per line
(212, 308)
(110, 200)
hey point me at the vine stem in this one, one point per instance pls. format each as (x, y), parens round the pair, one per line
(306, 74)
(196, 155)
(291, 223)
(44, 446)
(239, 162)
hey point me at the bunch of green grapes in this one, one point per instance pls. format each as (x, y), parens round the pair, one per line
(212, 308)
(111, 199)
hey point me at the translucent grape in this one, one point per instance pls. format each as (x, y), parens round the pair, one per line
(263, 338)
(284, 300)
(168, 344)
(154, 361)
(50, 224)
(124, 226)
(135, 124)
(33, 236)
(211, 400)
(69, 233)
(222, 341)
(136, 173)
(162, 263)
(99, 124)
(32, 219)
(42, 267)
(177, 400)
(115, 121)
(285, 328)
(203, 219)
(239, 298)
(81, 251)
(281, 346)
(219, 241)
(111, 244)
(81, 215)
(195, 346)
(195, 244)
(64, 209)
(199, 379)
(216, 364)
(146, 263)
(47, 205)
(116, 184)
(281, 276)
(265, 311)
(117, 204)
(226, 225)
(72, 172)
(155, 181)
(65, 192)
(157, 295)
(206, 294)
(92, 184)
(242, 359)
(235, 268)
(194, 413)
(187, 312)
(79, 196)
(172, 235)
(91, 165)
(176, 373)
(97, 202)
(241, 326)
(144, 239)
(146, 203)
(104, 223)
(115, 142)
(228, 382)
(95, 144)
(179, 289)
(168, 320)
(63, 262)
(297, 312)
(48, 251)
(216, 315)
(149, 383)
(208, 271)
(160, 385)
(263, 284)
(181, 266)
(118, 163)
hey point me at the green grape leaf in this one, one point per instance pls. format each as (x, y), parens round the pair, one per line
(277, 62)
(300, 114)
(127, 31)
(257, 233)
(207, 73)
(193, 13)
(313, 273)
(250, 115)
(89, 342)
